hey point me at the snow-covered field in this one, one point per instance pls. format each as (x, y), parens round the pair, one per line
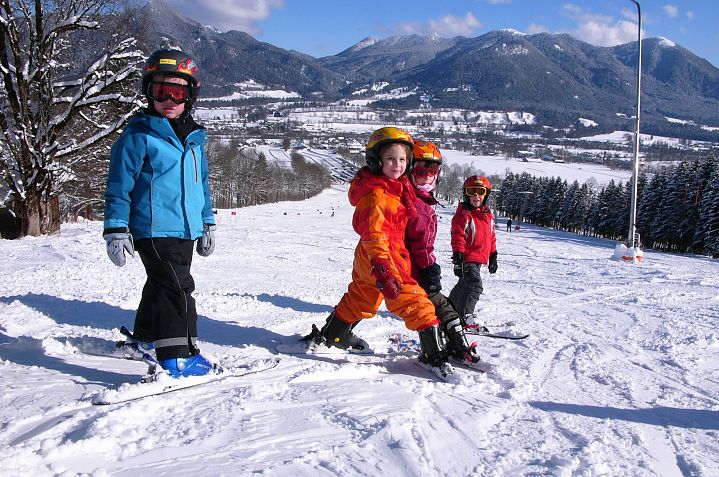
(570, 171)
(618, 378)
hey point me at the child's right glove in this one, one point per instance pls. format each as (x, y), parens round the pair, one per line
(118, 241)
(386, 282)
(206, 242)
(458, 261)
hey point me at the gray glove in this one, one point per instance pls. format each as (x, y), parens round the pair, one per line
(206, 242)
(117, 243)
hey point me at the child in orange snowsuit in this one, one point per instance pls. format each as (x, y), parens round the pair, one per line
(383, 199)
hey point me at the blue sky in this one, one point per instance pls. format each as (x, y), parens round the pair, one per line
(326, 27)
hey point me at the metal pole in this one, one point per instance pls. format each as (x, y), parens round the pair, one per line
(635, 177)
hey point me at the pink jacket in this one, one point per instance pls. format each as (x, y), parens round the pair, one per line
(421, 232)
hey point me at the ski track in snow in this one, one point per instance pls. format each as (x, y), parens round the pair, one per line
(618, 377)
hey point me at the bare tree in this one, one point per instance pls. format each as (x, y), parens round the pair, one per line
(56, 112)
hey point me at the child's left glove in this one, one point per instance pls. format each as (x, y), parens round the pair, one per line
(206, 242)
(386, 282)
(430, 278)
(492, 267)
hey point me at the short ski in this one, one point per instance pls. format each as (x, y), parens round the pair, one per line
(303, 345)
(137, 391)
(502, 335)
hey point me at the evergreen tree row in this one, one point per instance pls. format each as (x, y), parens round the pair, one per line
(678, 206)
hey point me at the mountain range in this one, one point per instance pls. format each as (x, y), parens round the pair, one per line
(556, 77)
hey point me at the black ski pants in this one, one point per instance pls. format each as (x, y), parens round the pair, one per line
(465, 293)
(166, 315)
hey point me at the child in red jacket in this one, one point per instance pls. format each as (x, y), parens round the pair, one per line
(473, 243)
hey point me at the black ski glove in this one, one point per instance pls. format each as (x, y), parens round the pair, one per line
(430, 278)
(458, 261)
(492, 267)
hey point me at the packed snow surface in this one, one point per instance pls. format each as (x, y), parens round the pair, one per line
(619, 376)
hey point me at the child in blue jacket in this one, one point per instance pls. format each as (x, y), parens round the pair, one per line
(158, 202)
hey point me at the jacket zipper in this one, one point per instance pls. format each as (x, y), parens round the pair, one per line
(194, 158)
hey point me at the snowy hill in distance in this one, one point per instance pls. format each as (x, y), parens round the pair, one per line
(342, 170)
(619, 376)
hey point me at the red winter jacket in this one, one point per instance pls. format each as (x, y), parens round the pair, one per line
(421, 232)
(473, 233)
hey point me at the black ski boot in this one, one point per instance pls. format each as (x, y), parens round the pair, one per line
(336, 333)
(457, 345)
(432, 347)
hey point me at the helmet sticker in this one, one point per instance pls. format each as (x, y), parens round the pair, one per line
(187, 66)
(168, 61)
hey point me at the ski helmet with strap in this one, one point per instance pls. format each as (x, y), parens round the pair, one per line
(427, 162)
(383, 137)
(476, 182)
(172, 63)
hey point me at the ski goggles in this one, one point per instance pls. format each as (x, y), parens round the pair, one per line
(161, 91)
(426, 168)
(475, 190)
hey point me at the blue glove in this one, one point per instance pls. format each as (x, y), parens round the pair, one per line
(117, 243)
(206, 242)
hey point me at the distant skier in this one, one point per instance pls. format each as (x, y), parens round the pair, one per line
(384, 200)
(158, 201)
(474, 242)
(509, 225)
(421, 234)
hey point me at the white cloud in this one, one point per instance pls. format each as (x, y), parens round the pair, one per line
(690, 14)
(537, 28)
(446, 26)
(450, 25)
(671, 10)
(630, 14)
(241, 15)
(602, 30)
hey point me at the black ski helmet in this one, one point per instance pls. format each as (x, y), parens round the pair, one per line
(175, 63)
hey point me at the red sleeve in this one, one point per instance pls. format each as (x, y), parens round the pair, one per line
(459, 227)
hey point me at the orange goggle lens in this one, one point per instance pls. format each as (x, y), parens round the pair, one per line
(475, 190)
(161, 92)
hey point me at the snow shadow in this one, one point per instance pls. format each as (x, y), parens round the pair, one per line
(28, 351)
(233, 334)
(75, 312)
(656, 416)
(296, 304)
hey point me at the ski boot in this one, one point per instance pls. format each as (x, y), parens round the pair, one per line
(433, 352)
(457, 345)
(472, 324)
(337, 333)
(196, 365)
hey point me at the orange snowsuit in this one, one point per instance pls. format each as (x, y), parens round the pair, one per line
(382, 208)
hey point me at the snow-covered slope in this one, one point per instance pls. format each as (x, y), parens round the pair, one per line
(619, 376)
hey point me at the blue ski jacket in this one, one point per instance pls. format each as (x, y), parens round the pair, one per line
(157, 186)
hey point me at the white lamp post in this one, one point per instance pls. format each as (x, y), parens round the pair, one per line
(631, 239)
